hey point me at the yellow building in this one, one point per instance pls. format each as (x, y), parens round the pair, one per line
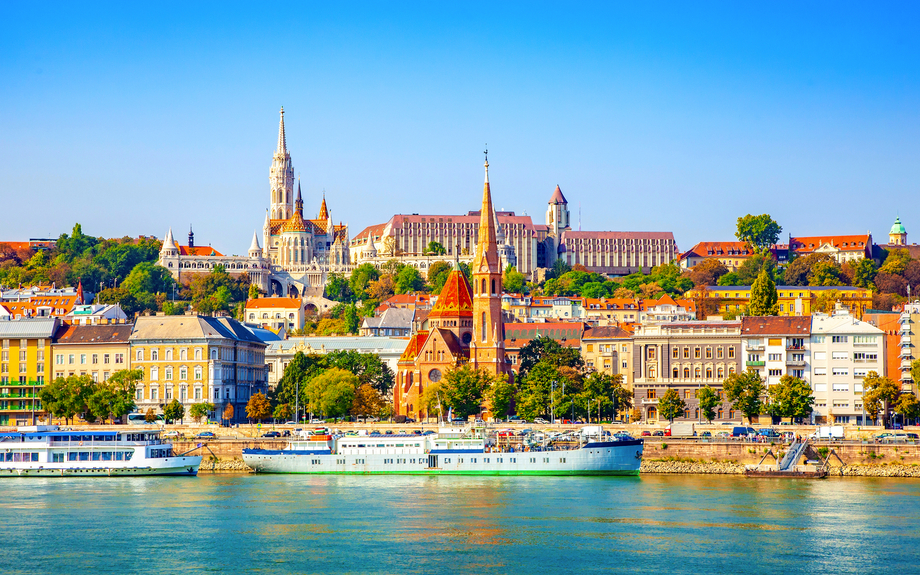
(792, 300)
(94, 350)
(608, 349)
(25, 347)
(196, 359)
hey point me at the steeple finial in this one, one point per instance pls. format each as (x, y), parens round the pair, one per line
(298, 204)
(486, 152)
(282, 138)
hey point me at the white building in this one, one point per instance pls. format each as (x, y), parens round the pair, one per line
(843, 351)
(777, 346)
(95, 314)
(280, 353)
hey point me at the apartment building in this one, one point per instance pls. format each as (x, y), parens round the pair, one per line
(608, 349)
(777, 346)
(94, 350)
(196, 358)
(843, 351)
(25, 350)
(684, 356)
(792, 300)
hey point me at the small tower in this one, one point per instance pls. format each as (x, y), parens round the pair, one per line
(191, 237)
(169, 249)
(254, 250)
(370, 252)
(898, 235)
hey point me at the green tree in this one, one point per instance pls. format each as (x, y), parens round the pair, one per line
(294, 380)
(745, 391)
(864, 271)
(253, 291)
(258, 407)
(763, 296)
(908, 407)
(500, 395)
(148, 278)
(752, 267)
(895, 262)
(434, 249)
(338, 288)
(670, 405)
(915, 370)
(174, 411)
(409, 280)
(367, 401)
(544, 347)
(879, 394)
(283, 412)
(825, 273)
(464, 389)
(332, 392)
(361, 278)
(708, 400)
(351, 319)
(730, 279)
(513, 281)
(369, 368)
(54, 398)
(431, 400)
(759, 231)
(100, 401)
(437, 276)
(791, 398)
(200, 410)
(798, 271)
(124, 387)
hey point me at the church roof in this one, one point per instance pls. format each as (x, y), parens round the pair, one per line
(456, 297)
(557, 197)
(295, 224)
(416, 341)
(199, 251)
(323, 210)
(898, 227)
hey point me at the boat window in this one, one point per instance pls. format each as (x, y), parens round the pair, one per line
(84, 456)
(119, 456)
(107, 456)
(97, 456)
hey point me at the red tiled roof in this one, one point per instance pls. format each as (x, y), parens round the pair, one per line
(199, 251)
(456, 297)
(846, 243)
(772, 325)
(273, 302)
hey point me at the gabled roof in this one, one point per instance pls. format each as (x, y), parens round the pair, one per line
(97, 334)
(557, 197)
(272, 303)
(199, 251)
(715, 249)
(771, 325)
(606, 332)
(807, 244)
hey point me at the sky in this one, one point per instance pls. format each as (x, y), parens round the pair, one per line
(131, 118)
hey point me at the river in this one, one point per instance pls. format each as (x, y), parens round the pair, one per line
(393, 524)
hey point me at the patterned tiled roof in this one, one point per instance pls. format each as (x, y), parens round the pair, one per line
(456, 297)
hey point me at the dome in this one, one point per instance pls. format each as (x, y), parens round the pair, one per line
(898, 227)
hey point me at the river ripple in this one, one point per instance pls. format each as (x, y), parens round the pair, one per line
(349, 524)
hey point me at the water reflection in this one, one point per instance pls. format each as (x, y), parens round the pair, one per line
(326, 524)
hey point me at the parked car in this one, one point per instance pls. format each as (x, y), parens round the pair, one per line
(646, 433)
(767, 432)
(271, 434)
(540, 421)
(705, 434)
(516, 420)
(206, 435)
(658, 433)
(317, 421)
(742, 431)
(410, 420)
(171, 433)
(723, 434)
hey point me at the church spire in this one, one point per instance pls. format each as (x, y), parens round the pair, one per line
(282, 137)
(323, 210)
(486, 252)
(298, 205)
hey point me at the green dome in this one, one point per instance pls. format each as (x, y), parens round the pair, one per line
(897, 228)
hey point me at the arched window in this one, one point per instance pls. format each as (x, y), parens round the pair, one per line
(139, 355)
(154, 355)
(493, 286)
(721, 373)
(708, 373)
(198, 353)
(696, 373)
(183, 354)
(169, 355)
(686, 373)
(675, 373)
(483, 327)
(483, 290)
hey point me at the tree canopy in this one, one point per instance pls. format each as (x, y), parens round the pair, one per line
(759, 231)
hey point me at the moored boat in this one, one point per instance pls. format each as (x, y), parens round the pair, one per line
(44, 451)
(453, 451)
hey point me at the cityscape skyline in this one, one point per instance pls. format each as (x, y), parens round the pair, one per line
(675, 120)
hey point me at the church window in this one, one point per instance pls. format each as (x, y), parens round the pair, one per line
(483, 327)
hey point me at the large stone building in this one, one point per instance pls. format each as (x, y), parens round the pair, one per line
(94, 350)
(520, 242)
(196, 359)
(465, 324)
(297, 253)
(684, 356)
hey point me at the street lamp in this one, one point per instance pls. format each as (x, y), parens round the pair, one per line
(552, 399)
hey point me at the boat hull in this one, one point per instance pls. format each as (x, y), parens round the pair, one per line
(608, 458)
(178, 466)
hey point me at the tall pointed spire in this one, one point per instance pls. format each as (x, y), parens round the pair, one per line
(486, 246)
(282, 137)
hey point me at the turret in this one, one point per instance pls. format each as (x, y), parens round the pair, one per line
(255, 251)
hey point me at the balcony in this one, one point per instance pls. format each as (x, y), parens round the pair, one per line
(790, 347)
(757, 363)
(755, 347)
(650, 401)
(906, 353)
(795, 362)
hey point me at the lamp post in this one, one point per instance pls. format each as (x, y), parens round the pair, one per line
(552, 402)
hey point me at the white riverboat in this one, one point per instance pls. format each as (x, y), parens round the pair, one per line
(43, 451)
(454, 451)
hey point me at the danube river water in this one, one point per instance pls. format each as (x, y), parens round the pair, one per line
(338, 524)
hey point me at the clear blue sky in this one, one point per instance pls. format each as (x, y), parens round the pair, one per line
(650, 116)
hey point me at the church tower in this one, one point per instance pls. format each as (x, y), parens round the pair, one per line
(898, 234)
(488, 349)
(281, 178)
